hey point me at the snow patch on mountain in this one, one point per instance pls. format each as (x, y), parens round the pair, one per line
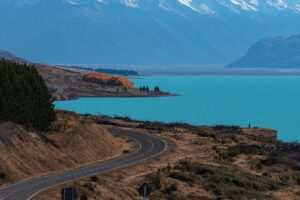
(297, 8)
(201, 7)
(250, 5)
(278, 3)
(130, 3)
(72, 2)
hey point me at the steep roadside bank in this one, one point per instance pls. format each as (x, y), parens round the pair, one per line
(71, 141)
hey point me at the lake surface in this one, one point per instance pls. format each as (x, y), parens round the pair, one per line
(264, 101)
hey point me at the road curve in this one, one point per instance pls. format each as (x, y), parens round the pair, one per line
(150, 146)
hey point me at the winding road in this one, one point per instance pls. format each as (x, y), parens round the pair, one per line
(149, 146)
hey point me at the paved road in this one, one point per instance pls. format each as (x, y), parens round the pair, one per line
(150, 146)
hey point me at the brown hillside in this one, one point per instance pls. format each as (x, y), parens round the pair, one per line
(206, 163)
(71, 142)
(68, 84)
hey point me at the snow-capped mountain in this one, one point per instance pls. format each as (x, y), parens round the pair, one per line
(142, 31)
(200, 6)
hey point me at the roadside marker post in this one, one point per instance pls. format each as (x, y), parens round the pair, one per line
(144, 190)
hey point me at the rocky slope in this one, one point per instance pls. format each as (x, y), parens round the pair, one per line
(277, 52)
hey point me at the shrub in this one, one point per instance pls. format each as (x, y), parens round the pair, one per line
(171, 188)
(258, 166)
(234, 138)
(203, 133)
(288, 158)
(231, 184)
(243, 149)
(228, 129)
(157, 181)
(2, 175)
(83, 197)
(91, 187)
(126, 151)
(298, 180)
(182, 177)
(95, 179)
(124, 118)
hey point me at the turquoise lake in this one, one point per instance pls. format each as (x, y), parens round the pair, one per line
(263, 101)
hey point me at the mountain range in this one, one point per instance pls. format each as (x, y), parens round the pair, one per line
(142, 32)
(277, 52)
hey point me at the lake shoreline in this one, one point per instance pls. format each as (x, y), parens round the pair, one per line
(271, 102)
(163, 94)
(221, 71)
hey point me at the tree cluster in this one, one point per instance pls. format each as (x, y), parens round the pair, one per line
(156, 89)
(24, 97)
(144, 88)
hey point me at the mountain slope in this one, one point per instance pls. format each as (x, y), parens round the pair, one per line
(150, 32)
(278, 52)
(9, 56)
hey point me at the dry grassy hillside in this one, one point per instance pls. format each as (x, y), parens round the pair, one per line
(71, 141)
(202, 163)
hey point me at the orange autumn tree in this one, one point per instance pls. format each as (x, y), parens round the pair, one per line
(104, 79)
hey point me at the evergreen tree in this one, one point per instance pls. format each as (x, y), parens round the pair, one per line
(24, 96)
(156, 89)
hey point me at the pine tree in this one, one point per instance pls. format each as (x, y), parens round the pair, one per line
(156, 89)
(24, 96)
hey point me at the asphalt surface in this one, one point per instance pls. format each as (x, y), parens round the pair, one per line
(149, 147)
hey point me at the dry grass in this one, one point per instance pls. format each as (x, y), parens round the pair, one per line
(227, 162)
(72, 141)
(240, 177)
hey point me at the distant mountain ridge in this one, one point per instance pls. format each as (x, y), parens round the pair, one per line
(277, 52)
(9, 56)
(142, 32)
